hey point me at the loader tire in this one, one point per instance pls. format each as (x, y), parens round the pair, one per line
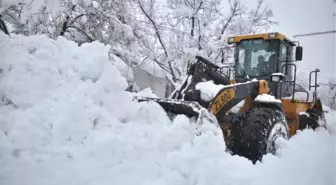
(257, 132)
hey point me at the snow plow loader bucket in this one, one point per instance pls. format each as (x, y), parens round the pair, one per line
(186, 100)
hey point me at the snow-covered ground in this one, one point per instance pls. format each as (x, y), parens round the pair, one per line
(66, 119)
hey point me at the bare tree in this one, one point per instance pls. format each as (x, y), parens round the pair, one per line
(158, 35)
(191, 27)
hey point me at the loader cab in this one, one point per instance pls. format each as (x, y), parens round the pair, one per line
(261, 55)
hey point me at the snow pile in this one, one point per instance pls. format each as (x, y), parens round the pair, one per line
(208, 90)
(307, 96)
(43, 68)
(303, 96)
(66, 119)
(123, 68)
(308, 158)
(146, 93)
(266, 98)
(331, 121)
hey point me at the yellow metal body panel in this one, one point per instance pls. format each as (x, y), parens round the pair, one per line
(263, 87)
(222, 99)
(292, 112)
(265, 36)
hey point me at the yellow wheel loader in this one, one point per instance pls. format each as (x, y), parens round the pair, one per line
(263, 83)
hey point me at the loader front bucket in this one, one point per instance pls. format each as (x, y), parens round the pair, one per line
(190, 109)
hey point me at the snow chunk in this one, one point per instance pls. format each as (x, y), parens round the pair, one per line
(208, 90)
(304, 113)
(147, 92)
(125, 70)
(267, 98)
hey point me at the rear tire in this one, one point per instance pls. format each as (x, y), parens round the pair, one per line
(259, 129)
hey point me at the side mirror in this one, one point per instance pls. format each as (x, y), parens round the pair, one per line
(298, 53)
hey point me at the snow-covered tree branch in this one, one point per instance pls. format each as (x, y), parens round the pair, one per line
(167, 34)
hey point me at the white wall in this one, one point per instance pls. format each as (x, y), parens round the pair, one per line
(144, 80)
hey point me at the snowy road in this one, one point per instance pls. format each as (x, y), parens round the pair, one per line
(65, 119)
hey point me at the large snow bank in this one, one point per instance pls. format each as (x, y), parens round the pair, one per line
(66, 119)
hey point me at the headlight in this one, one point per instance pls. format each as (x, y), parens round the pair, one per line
(275, 78)
(272, 35)
(231, 40)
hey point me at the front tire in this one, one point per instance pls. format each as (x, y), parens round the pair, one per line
(258, 131)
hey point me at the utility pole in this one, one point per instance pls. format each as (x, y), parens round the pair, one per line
(317, 33)
(314, 33)
(331, 85)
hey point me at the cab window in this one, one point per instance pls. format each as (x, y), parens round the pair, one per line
(283, 53)
(256, 58)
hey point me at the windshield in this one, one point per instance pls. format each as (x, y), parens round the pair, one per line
(256, 58)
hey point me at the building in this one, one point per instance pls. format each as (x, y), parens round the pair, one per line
(143, 79)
